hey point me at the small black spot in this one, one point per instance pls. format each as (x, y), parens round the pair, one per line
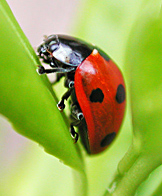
(120, 95)
(108, 139)
(97, 95)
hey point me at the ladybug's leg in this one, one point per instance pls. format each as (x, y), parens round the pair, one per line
(74, 134)
(61, 104)
(76, 112)
(76, 118)
(42, 70)
(59, 76)
(69, 83)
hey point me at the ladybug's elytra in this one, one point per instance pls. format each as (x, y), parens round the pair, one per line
(95, 85)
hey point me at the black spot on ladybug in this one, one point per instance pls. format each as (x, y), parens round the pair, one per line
(120, 95)
(97, 95)
(108, 139)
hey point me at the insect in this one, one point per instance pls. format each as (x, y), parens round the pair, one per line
(94, 84)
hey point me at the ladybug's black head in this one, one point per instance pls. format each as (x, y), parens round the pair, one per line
(46, 49)
(63, 51)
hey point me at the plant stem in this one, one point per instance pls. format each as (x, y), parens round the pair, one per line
(138, 172)
(80, 183)
(129, 158)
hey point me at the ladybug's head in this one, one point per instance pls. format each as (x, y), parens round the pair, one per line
(47, 48)
(61, 51)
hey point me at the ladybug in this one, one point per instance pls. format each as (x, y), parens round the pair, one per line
(95, 85)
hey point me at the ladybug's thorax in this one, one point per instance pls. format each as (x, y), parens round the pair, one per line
(66, 49)
(71, 50)
(62, 53)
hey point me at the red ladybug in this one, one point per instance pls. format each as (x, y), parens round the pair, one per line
(95, 85)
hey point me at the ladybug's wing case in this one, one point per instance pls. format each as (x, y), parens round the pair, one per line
(100, 92)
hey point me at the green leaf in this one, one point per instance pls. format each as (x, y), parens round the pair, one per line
(27, 99)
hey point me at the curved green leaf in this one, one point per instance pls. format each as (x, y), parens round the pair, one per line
(27, 99)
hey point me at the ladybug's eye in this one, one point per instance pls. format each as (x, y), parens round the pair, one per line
(41, 49)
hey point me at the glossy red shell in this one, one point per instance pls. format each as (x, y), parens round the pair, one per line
(102, 118)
